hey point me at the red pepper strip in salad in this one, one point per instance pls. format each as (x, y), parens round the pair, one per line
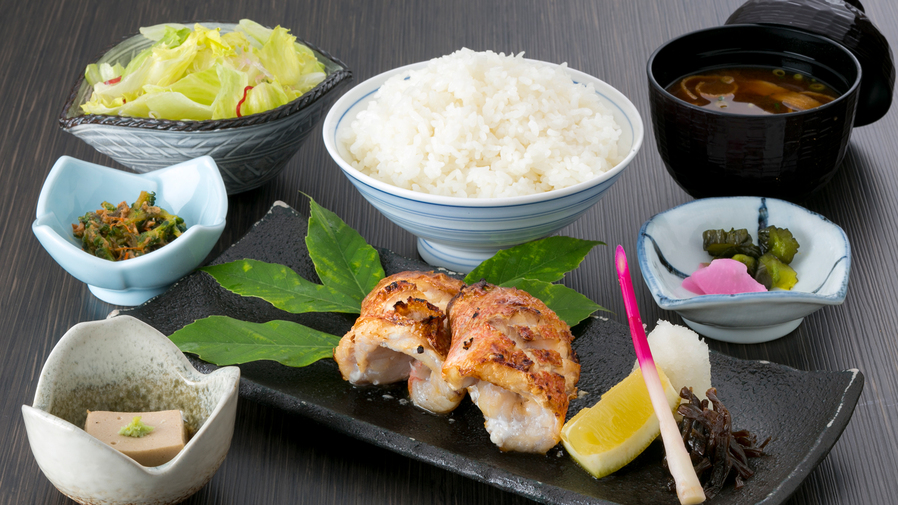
(114, 80)
(245, 91)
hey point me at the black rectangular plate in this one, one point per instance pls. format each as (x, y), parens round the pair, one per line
(805, 412)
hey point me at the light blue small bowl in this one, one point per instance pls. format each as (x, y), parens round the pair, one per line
(193, 190)
(459, 233)
(669, 248)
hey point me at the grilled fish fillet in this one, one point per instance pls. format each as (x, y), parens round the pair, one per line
(402, 333)
(514, 356)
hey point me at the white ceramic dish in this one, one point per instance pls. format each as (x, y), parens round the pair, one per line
(123, 364)
(459, 233)
(669, 248)
(192, 190)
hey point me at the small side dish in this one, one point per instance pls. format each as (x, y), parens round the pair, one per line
(669, 249)
(127, 231)
(125, 368)
(202, 74)
(192, 190)
(186, 114)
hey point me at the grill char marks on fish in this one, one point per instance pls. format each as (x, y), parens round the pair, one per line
(514, 356)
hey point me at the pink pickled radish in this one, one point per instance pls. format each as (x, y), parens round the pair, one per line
(689, 284)
(722, 277)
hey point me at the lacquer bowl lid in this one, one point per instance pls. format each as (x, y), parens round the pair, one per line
(845, 23)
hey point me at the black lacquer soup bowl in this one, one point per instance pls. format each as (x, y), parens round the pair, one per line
(718, 153)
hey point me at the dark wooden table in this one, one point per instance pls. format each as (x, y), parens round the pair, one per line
(279, 458)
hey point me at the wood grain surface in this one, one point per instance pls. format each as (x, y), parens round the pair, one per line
(279, 458)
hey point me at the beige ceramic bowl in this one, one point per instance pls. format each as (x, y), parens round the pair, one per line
(121, 364)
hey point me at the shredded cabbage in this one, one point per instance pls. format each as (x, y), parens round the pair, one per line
(203, 74)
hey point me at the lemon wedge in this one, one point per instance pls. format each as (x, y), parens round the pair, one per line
(605, 437)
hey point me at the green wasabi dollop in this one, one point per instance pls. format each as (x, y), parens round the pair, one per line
(136, 428)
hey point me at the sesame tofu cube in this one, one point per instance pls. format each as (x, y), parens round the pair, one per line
(160, 446)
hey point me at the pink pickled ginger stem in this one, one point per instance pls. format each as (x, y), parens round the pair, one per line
(640, 342)
(689, 489)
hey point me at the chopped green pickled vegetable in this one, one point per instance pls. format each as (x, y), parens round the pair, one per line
(773, 273)
(203, 74)
(726, 244)
(778, 242)
(768, 262)
(124, 232)
(750, 263)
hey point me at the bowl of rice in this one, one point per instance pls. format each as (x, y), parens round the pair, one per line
(475, 152)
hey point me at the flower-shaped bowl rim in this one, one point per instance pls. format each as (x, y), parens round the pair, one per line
(747, 299)
(68, 248)
(183, 369)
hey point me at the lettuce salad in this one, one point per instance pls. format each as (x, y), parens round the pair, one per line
(203, 74)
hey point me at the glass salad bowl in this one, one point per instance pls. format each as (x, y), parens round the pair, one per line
(248, 150)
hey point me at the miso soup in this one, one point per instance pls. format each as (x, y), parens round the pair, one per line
(752, 90)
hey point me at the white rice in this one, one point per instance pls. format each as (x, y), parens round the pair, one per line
(483, 125)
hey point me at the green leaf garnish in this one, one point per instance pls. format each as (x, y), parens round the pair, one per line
(545, 260)
(280, 286)
(349, 269)
(226, 341)
(534, 266)
(571, 306)
(343, 260)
